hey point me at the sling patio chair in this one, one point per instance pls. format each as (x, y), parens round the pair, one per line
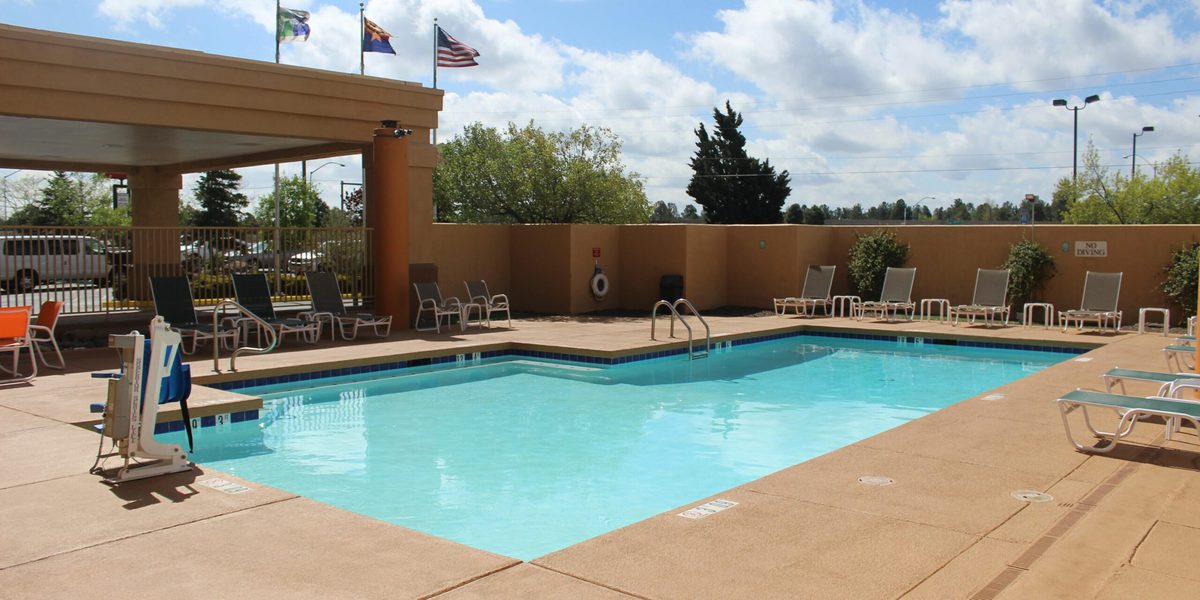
(1180, 357)
(895, 297)
(989, 301)
(173, 302)
(14, 337)
(42, 332)
(1130, 410)
(1100, 292)
(254, 294)
(477, 293)
(1117, 376)
(429, 299)
(327, 306)
(818, 282)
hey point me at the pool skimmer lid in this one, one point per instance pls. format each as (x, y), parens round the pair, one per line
(876, 480)
(1032, 496)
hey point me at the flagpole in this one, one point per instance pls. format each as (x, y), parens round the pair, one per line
(278, 246)
(435, 46)
(362, 28)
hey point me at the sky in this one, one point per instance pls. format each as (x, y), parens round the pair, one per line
(861, 102)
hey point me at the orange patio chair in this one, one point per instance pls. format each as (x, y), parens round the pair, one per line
(42, 332)
(14, 336)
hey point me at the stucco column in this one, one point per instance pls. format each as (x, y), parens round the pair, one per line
(387, 211)
(154, 206)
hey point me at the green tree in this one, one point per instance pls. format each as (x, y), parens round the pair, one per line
(71, 199)
(732, 186)
(1029, 267)
(527, 175)
(299, 205)
(1182, 275)
(870, 256)
(1171, 195)
(815, 215)
(664, 212)
(220, 203)
(691, 215)
(794, 214)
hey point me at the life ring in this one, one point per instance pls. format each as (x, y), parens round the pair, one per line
(599, 286)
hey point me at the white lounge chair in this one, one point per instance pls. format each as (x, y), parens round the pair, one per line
(478, 294)
(1117, 376)
(895, 297)
(1180, 357)
(429, 299)
(1130, 409)
(989, 301)
(818, 282)
(1100, 293)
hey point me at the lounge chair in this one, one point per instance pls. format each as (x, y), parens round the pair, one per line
(477, 293)
(14, 337)
(1130, 409)
(1100, 292)
(42, 332)
(327, 306)
(1180, 357)
(989, 301)
(818, 282)
(254, 294)
(1118, 376)
(895, 297)
(429, 299)
(173, 302)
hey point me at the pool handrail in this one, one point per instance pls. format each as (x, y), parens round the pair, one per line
(707, 330)
(675, 315)
(246, 314)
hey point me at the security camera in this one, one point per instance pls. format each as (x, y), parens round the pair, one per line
(402, 132)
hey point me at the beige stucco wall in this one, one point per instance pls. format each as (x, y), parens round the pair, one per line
(549, 267)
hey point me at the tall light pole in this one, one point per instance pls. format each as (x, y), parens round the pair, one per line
(314, 171)
(1032, 200)
(1133, 161)
(1075, 141)
(917, 215)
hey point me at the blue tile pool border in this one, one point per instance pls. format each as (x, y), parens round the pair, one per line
(619, 360)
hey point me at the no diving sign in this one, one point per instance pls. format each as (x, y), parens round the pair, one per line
(1091, 249)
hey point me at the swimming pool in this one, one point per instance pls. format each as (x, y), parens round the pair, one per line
(523, 456)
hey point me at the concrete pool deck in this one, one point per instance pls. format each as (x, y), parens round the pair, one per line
(1119, 526)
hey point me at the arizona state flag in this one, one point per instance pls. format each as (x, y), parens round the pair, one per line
(375, 39)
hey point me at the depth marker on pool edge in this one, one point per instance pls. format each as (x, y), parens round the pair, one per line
(708, 508)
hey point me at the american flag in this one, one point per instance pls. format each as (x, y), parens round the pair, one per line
(453, 53)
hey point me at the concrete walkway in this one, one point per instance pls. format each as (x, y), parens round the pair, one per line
(949, 527)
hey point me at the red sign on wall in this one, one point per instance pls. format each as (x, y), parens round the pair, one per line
(596, 252)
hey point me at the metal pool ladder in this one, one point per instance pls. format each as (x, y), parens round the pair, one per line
(246, 314)
(675, 314)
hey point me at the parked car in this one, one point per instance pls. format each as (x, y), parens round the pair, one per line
(329, 255)
(27, 261)
(258, 255)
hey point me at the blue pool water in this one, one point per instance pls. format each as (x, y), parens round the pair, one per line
(522, 457)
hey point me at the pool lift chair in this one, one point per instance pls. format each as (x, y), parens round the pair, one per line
(150, 369)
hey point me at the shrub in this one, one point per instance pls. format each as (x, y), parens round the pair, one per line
(1180, 285)
(1030, 267)
(870, 257)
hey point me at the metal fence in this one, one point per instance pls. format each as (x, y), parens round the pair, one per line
(108, 269)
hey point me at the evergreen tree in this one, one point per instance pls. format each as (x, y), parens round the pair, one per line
(664, 212)
(690, 214)
(815, 215)
(61, 202)
(732, 186)
(220, 203)
(794, 214)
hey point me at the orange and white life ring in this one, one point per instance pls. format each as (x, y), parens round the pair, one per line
(599, 285)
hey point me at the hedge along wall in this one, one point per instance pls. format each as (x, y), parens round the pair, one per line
(547, 268)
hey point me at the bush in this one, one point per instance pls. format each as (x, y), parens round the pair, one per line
(1030, 267)
(1180, 285)
(870, 257)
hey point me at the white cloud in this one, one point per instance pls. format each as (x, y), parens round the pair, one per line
(127, 13)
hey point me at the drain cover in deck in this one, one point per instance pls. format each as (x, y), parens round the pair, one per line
(1032, 496)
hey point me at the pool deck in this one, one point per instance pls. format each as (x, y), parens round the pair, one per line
(1119, 526)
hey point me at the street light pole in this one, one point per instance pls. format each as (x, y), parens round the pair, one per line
(1075, 141)
(917, 215)
(1133, 161)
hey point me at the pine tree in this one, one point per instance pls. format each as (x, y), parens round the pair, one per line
(220, 202)
(732, 186)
